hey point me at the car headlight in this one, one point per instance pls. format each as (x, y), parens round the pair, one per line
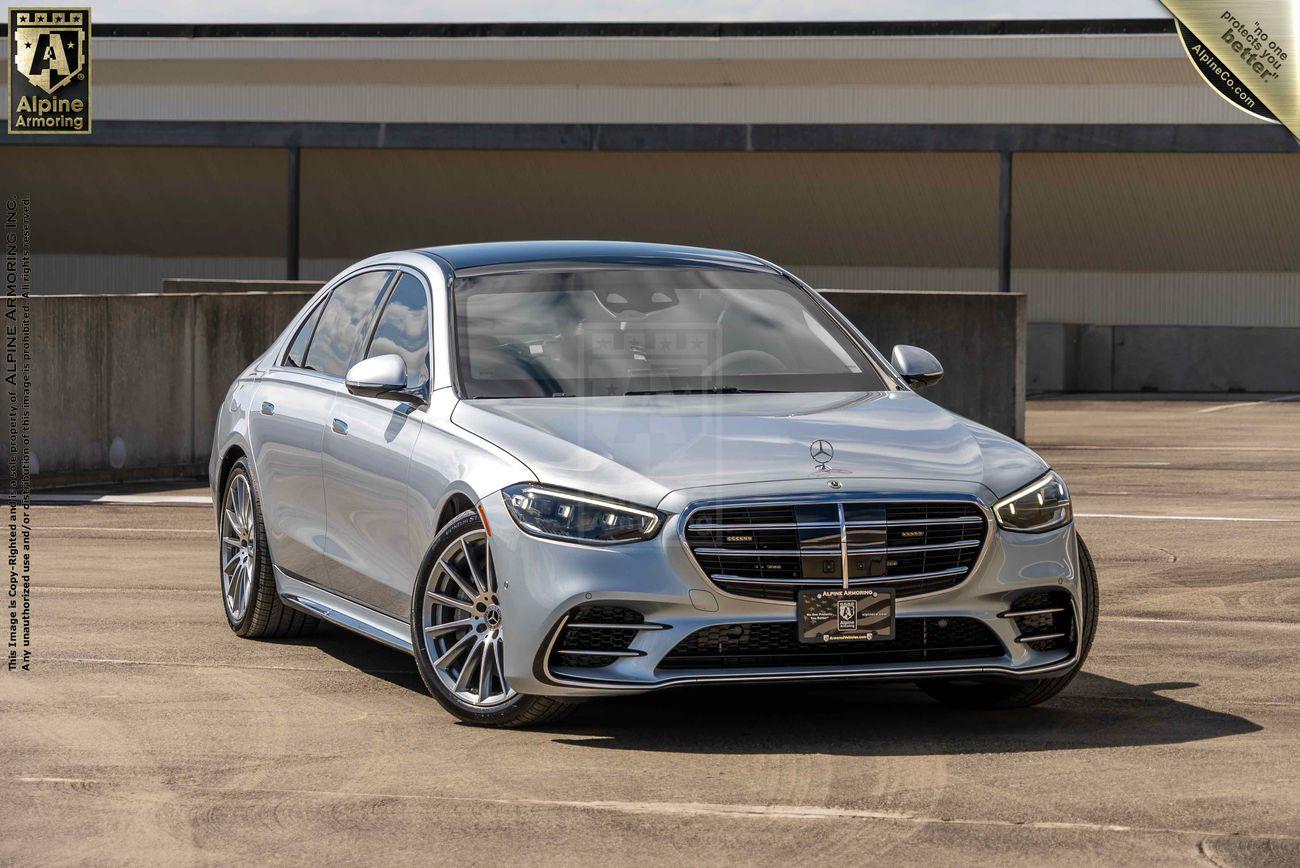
(581, 518)
(1041, 506)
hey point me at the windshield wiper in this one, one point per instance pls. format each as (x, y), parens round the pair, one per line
(714, 390)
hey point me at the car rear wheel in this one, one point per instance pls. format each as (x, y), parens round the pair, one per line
(456, 619)
(253, 607)
(1020, 694)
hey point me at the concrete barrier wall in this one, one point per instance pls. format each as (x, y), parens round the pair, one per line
(1066, 357)
(979, 338)
(190, 285)
(128, 386)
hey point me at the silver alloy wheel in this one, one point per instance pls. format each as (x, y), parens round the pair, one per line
(238, 546)
(462, 623)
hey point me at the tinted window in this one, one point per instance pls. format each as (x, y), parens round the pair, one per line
(404, 329)
(620, 331)
(345, 323)
(297, 354)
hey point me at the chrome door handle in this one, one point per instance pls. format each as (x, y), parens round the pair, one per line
(268, 409)
(340, 427)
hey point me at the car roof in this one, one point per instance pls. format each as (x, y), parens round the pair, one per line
(520, 255)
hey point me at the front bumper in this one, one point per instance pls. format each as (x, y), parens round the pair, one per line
(543, 581)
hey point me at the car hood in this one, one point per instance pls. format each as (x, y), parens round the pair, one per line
(641, 448)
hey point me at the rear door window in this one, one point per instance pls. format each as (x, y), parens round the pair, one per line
(345, 324)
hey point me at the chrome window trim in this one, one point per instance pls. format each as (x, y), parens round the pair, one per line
(841, 497)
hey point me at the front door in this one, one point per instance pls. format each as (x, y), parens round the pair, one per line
(366, 464)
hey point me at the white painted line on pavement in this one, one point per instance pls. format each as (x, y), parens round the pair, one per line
(1048, 447)
(41, 527)
(124, 499)
(1110, 463)
(704, 809)
(1182, 517)
(112, 661)
(1202, 622)
(1237, 404)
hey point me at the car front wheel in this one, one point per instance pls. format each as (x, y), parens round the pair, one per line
(456, 626)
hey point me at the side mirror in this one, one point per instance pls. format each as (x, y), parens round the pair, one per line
(918, 368)
(380, 377)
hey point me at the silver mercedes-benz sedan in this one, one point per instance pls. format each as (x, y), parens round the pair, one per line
(559, 470)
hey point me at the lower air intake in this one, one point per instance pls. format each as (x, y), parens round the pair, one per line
(776, 644)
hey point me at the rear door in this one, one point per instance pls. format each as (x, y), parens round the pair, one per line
(290, 417)
(367, 459)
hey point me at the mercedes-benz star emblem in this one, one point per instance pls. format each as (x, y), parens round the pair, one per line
(822, 452)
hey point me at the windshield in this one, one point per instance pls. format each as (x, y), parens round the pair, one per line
(625, 331)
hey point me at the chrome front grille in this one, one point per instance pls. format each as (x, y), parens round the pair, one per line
(770, 551)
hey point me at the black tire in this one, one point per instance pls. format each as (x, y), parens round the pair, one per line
(265, 616)
(519, 711)
(1021, 694)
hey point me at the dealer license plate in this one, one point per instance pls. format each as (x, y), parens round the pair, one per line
(853, 615)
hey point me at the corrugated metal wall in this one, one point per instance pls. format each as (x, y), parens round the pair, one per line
(1158, 239)
(122, 219)
(1111, 239)
(947, 79)
(1118, 239)
(894, 211)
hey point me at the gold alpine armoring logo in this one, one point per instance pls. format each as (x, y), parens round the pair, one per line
(49, 76)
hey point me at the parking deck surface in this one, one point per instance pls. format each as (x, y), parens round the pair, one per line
(149, 734)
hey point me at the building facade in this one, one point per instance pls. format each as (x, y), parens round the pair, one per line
(1151, 225)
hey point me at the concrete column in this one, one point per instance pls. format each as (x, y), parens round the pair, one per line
(1004, 223)
(291, 247)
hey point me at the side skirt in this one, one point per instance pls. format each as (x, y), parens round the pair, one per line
(314, 600)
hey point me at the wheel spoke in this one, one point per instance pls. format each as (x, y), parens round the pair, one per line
(484, 672)
(231, 541)
(450, 601)
(245, 580)
(228, 568)
(462, 680)
(473, 570)
(499, 664)
(456, 577)
(450, 654)
(237, 503)
(439, 629)
(233, 519)
(246, 506)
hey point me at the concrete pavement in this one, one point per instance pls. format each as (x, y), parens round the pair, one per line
(150, 734)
